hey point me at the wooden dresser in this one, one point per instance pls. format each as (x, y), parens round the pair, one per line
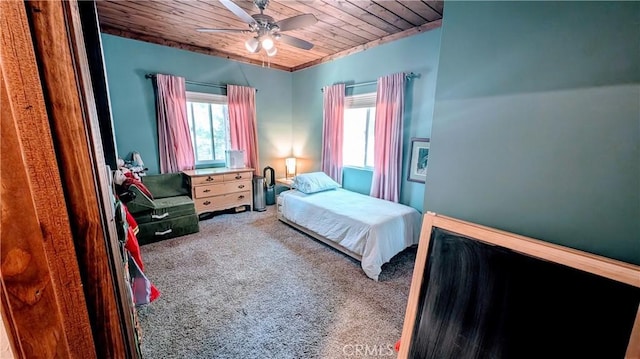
(215, 189)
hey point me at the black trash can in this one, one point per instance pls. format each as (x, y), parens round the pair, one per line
(269, 185)
(259, 203)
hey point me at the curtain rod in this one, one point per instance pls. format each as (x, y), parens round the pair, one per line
(408, 76)
(150, 76)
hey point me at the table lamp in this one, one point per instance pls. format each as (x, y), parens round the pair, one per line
(290, 164)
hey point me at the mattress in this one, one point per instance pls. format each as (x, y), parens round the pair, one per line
(373, 228)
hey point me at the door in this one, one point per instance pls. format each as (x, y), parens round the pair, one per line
(62, 287)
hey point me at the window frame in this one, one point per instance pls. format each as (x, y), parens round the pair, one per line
(214, 99)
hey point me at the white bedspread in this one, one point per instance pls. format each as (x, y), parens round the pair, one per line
(373, 228)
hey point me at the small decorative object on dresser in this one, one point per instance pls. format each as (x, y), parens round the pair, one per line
(216, 189)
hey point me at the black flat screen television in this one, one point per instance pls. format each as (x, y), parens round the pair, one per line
(482, 293)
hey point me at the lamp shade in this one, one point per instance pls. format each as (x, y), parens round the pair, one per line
(290, 164)
(252, 45)
(272, 52)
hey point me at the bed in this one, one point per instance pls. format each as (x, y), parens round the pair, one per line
(368, 229)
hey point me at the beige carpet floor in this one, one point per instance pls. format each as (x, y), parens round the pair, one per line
(249, 286)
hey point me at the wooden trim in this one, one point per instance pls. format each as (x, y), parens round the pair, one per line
(633, 350)
(103, 175)
(399, 35)
(7, 318)
(207, 51)
(93, 45)
(59, 44)
(40, 276)
(605, 267)
(416, 284)
(194, 48)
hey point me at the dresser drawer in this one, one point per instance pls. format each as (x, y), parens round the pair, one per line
(238, 198)
(207, 179)
(237, 186)
(237, 176)
(224, 201)
(210, 190)
(221, 188)
(208, 204)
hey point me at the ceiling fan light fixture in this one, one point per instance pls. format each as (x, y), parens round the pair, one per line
(272, 52)
(267, 42)
(252, 45)
(265, 28)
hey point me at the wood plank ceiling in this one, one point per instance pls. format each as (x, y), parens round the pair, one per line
(344, 26)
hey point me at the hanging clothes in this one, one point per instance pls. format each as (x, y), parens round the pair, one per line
(143, 291)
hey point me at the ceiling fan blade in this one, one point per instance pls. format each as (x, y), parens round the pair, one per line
(238, 11)
(294, 41)
(296, 22)
(223, 30)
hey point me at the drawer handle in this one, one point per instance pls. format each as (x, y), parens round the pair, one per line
(209, 179)
(241, 186)
(241, 197)
(238, 176)
(159, 216)
(206, 203)
(163, 233)
(206, 190)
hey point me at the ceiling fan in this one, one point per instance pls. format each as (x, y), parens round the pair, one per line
(266, 28)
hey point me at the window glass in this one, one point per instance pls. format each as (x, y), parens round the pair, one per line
(359, 122)
(209, 124)
(355, 137)
(370, 138)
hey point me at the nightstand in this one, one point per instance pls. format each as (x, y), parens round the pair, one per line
(287, 182)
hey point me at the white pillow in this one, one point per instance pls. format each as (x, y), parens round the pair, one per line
(314, 182)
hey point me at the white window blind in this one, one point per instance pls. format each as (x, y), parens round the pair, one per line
(360, 101)
(206, 98)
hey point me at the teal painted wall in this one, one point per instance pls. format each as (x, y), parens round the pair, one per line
(132, 98)
(536, 127)
(418, 54)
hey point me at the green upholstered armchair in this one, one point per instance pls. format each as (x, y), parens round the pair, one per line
(170, 213)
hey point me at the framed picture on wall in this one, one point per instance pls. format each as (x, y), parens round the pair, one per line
(419, 158)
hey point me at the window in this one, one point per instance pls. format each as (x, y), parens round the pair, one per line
(359, 121)
(208, 118)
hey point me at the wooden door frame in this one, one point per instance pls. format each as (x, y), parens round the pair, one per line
(61, 261)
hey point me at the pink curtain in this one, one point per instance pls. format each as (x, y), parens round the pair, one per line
(387, 156)
(332, 131)
(174, 138)
(242, 123)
